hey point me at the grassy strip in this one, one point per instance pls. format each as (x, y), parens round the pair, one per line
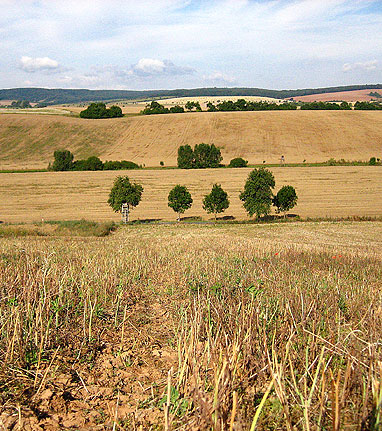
(265, 165)
(83, 228)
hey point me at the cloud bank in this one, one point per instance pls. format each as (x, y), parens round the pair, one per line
(189, 43)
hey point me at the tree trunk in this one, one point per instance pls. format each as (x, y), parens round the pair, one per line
(178, 217)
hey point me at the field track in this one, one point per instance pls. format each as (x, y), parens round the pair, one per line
(332, 191)
(28, 141)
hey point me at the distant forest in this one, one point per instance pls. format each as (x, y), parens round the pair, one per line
(60, 96)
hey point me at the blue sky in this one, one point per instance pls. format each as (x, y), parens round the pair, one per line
(152, 44)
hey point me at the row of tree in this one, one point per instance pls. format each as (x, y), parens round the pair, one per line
(245, 105)
(64, 161)
(99, 110)
(257, 196)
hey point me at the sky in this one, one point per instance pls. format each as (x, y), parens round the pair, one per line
(167, 44)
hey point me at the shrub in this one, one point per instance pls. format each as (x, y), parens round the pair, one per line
(372, 161)
(238, 162)
(116, 165)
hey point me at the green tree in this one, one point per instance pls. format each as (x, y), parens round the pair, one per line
(179, 199)
(185, 157)
(124, 192)
(176, 109)
(207, 156)
(189, 105)
(63, 160)
(257, 195)
(217, 201)
(285, 199)
(99, 110)
(115, 112)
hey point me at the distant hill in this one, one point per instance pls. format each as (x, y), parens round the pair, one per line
(60, 96)
(28, 140)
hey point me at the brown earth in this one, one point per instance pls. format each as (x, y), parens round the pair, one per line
(346, 96)
(28, 141)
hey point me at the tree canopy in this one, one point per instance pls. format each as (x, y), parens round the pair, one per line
(285, 199)
(124, 192)
(63, 160)
(179, 199)
(99, 110)
(257, 195)
(216, 201)
(203, 156)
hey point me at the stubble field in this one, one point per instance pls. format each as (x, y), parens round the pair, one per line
(331, 191)
(245, 327)
(28, 141)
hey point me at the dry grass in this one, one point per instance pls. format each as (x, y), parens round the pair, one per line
(30, 140)
(241, 325)
(332, 191)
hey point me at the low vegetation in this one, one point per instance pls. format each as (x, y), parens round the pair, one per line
(99, 110)
(193, 327)
(201, 157)
(63, 161)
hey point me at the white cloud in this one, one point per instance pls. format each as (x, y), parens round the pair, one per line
(30, 65)
(219, 78)
(151, 66)
(367, 65)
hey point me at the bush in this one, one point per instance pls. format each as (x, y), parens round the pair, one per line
(238, 163)
(372, 161)
(117, 165)
(154, 108)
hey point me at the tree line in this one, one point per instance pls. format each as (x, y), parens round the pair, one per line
(244, 105)
(59, 96)
(257, 196)
(64, 161)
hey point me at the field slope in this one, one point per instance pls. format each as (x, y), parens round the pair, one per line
(29, 140)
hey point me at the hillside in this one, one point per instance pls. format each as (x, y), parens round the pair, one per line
(59, 95)
(29, 140)
(347, 96)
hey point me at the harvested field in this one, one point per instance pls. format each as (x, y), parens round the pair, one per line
(330, 191)
(346, 96)
(274, 326)
(28, 141)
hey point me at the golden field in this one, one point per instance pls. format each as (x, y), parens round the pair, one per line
(327, 191)
(266, 326)
(28, 141)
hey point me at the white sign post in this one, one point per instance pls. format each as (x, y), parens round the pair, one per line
(125, 213)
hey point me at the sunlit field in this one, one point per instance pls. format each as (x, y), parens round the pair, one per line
(332, 191)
